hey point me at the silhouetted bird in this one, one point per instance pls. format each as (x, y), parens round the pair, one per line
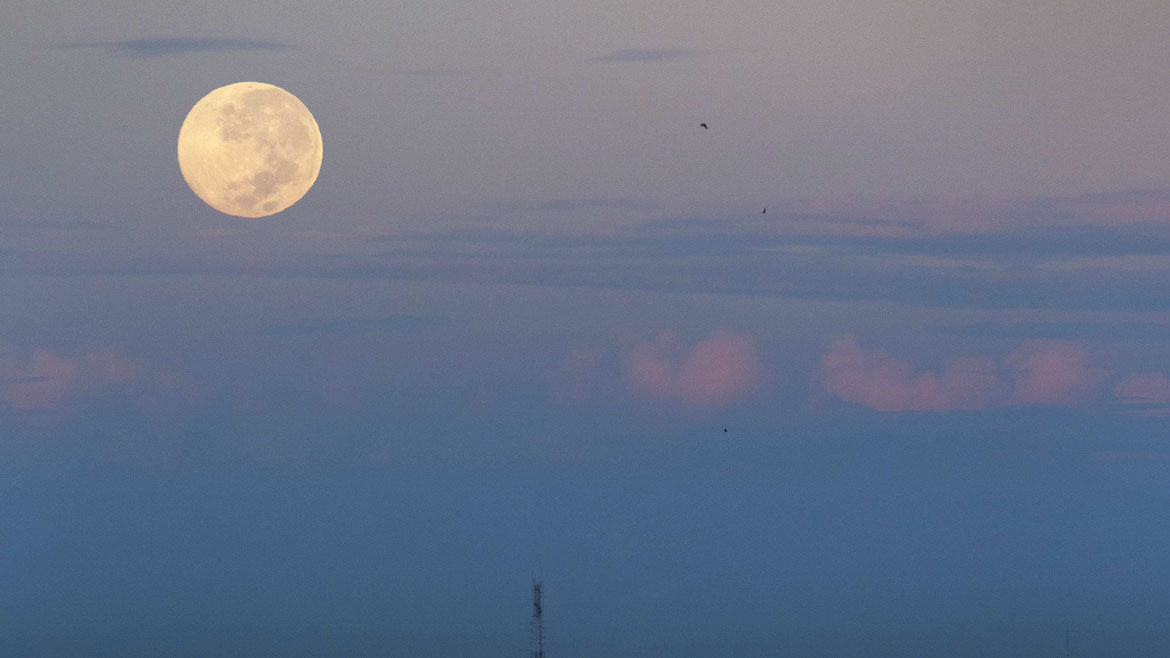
(724, 429)
(703, 125)
(764, 212)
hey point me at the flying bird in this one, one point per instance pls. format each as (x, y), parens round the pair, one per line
(764, 212)
(703, 126)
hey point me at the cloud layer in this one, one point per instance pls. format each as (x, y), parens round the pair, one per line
(1070, 253)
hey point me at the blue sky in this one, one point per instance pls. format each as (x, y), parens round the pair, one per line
(505, 332)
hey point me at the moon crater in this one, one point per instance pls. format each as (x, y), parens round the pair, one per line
(250, 149)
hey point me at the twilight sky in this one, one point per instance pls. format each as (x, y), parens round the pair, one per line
(504, 333)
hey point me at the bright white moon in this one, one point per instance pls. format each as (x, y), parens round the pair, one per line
(250, 149)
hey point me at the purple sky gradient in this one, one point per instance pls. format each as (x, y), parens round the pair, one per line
(506, 331)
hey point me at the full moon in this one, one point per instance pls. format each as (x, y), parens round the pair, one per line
(250, 149)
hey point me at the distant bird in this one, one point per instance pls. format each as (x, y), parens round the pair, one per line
(724, 429)
(765, 211)
(703, 126)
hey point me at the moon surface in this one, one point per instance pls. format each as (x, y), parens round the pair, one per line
(250, 149)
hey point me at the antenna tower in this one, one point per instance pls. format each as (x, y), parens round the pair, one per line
(537, 622)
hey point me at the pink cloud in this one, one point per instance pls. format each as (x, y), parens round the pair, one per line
(879, 381)
(45, 379)
(40, 383)
(1051, 372)
(713, 373)
(1041, 372)
(1144, 388)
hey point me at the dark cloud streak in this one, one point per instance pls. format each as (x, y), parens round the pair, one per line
(317, 327)
(433, 72)
(636, 55)
(147, 48)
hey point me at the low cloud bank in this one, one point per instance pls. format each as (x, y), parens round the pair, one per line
(1040, 372)
(712, 373)
(46, 380)
(715, 372)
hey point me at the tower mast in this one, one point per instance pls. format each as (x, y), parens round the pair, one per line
(537, 622)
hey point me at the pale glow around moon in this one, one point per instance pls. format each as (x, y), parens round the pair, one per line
(250, 149)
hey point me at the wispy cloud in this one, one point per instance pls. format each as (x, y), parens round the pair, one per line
(1062, 330)
(645, 55)
(317, 327)
(591, 204)
(146, 48)
(437, 72)
(978, 215)
(1109, 208)
(50, 225)
(571, 205)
